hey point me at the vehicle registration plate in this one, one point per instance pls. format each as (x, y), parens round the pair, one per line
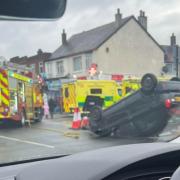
(177, 99)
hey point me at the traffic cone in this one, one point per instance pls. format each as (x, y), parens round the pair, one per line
(76, 124)
(85, 122)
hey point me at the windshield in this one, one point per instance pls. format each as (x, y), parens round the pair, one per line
(105, 74)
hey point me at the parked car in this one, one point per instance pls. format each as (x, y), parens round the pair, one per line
(147, 109)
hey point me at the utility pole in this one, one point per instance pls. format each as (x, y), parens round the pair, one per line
(177, 61)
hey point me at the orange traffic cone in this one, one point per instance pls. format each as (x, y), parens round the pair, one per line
(85, 122)
(76, 124)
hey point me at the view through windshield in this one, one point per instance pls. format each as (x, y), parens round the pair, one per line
(105, 74)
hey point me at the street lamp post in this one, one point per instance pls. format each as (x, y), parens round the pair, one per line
(177, 61)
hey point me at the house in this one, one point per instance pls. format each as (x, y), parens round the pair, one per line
(171, 56)
(123, 46)
(36, 62)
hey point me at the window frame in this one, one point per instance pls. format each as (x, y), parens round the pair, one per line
(33, 67)
(41, 65)
(96, 91)
(88, 60)
(60, 69)
(75, 59)
(48, 68)
(170, 68)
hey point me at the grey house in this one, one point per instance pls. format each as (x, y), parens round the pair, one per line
(171, 56)
(123, 46)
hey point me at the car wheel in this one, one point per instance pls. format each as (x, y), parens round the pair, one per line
(151, 124)
(22, 121)
(148, 83)
(95, 113)
(39, 115)
(95, 123)
(39, 119)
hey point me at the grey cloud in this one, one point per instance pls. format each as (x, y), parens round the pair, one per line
(24, 38)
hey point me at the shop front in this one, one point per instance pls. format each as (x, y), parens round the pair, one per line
(54, 92)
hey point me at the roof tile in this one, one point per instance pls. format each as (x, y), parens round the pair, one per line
(87, 40)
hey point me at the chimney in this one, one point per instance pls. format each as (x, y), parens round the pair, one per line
(173, 40)
(39, 52)
(64, 40)
(142, 19)
(118, 17)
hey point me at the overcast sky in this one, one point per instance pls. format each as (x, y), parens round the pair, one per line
(24, 38)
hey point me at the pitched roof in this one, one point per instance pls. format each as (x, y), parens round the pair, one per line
(92, 39)
(88, 40)
(24, 60)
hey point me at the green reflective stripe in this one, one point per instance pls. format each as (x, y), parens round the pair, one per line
(80, 104)
(108, 98)
(108, 103)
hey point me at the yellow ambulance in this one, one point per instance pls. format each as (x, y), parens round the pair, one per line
(75, 93)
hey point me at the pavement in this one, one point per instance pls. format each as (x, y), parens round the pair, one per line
(53, 137)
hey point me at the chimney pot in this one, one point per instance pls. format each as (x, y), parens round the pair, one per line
(142, 19)
(118, 11)
(118, 17)
(64, 40)
(39, 51)
(173, 40)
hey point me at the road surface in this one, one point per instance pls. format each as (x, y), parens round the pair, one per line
(53, 137)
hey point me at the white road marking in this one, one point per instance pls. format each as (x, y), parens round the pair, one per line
(27, 142)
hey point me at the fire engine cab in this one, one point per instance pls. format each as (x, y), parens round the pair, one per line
(20, 98)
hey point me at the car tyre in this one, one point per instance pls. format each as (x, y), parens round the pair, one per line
(148, 83)
(96, 113)
(22, 121)
(95, 121)
(40, 115)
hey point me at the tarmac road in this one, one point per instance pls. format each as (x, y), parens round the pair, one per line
(53, 137)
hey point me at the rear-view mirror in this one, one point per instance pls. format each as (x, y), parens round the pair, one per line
(31, 9)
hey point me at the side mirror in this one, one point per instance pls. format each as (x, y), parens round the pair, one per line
(30, 10)
(176, 175)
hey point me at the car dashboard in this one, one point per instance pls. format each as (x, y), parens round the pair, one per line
(152, 161)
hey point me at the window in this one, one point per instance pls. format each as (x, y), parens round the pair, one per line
(60, 68)
(41, 67)
(77, 63)
(66, 92)
(32, 67)
(88, 60)
(107, 49)
(169, 67)
(49, 68)
(96, 91)
(12, 83)
(120, 92)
